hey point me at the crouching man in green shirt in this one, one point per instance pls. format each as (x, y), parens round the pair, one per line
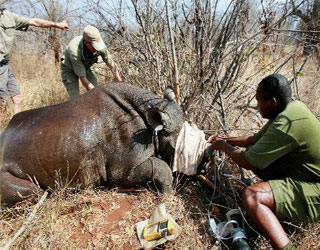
(285, 154)
(81, 53)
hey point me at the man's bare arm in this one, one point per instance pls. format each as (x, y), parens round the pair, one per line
(37, 22)
(237, 155)
(242, 141)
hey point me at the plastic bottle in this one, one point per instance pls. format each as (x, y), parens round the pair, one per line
(239, 238)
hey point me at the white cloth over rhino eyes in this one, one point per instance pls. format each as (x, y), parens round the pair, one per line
(190, 147)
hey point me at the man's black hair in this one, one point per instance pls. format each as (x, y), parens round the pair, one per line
(276, 86)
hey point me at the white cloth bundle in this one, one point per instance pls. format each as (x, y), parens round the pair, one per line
(190, 148)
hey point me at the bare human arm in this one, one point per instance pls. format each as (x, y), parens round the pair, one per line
(236, 155)
(37, 22)
(115, 72)
(242, 141)
(86, 83)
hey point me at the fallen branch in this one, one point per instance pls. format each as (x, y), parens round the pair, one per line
(26, 223)
(129, 190)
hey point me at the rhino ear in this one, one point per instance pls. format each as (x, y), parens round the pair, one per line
(169, 94)
(159, 120)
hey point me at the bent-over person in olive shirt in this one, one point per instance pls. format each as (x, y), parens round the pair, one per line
(79, 56)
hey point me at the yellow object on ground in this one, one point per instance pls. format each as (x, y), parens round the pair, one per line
(158, 230)
(160, 224)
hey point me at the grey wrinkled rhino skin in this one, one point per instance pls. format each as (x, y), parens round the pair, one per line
(102, 138)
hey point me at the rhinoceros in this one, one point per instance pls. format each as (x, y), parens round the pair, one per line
(115, 135)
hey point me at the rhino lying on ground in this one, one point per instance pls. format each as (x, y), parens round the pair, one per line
(105, 137)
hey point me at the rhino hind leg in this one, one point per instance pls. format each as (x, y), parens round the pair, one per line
(14, 189)
(154, 172)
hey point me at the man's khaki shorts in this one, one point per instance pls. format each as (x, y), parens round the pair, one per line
(296, 200)
(8, 82)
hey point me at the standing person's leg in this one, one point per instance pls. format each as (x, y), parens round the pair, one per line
(3, 81)
(71, 82)
(259, 202)
(17, 103)
(9, 87)
(92, 77)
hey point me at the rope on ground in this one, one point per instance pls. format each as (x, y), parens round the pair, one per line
(26, 223)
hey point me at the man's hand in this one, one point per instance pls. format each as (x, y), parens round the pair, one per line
(217, 142)
(86, 83)
(116, 74)
(118, 79)
(89, 86)
(237, 155)
(37, 22)
(63, 25)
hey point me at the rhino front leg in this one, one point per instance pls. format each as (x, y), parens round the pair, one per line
(154, 171)
(13, 188)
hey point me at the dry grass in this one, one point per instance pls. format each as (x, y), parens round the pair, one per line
(105, 219)
(96, 219)
(5, 111)
(41, 83)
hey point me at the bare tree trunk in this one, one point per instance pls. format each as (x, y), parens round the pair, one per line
(174, 57)
(311, 23)
(55, 41)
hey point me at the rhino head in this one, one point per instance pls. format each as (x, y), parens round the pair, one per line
(166, 119)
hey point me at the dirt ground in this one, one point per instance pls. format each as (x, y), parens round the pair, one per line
(98, 220)
(106, 219)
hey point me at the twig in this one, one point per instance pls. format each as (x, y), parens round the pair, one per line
(231, 129)
(26, 223)
(297, 31)
(131, 190)
(206, 181)
(301, 228)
